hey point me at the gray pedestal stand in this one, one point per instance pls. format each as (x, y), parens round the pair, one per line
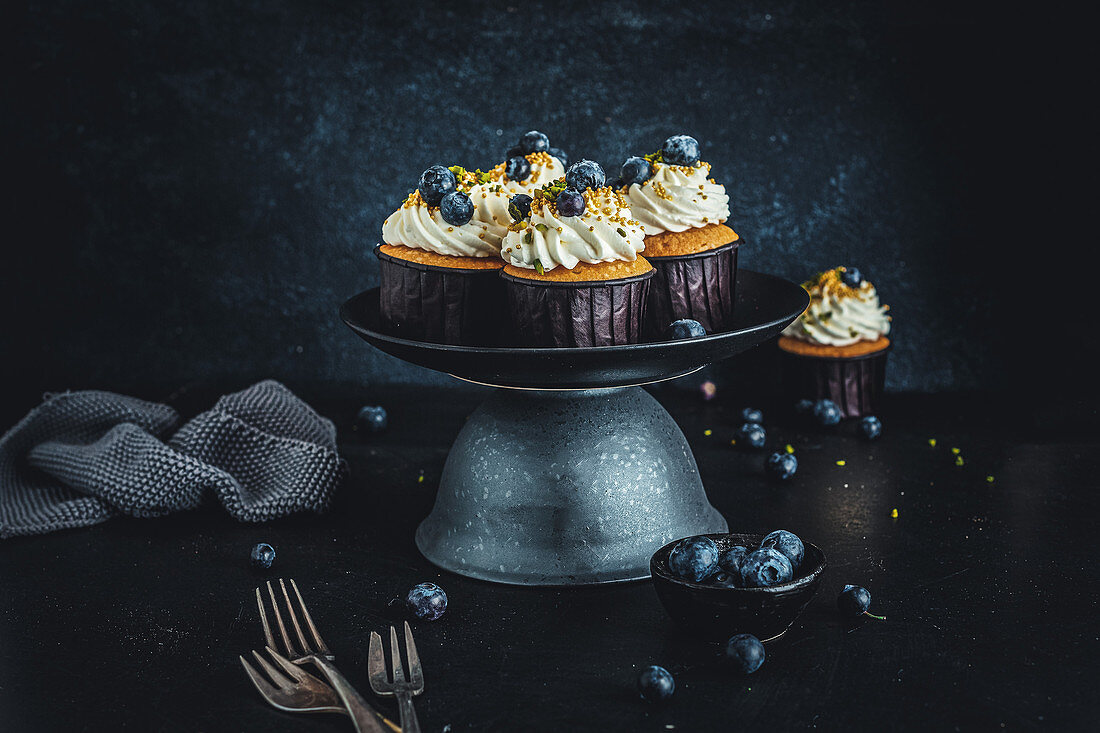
(565, 487)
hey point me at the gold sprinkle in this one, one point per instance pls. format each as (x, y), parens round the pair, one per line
(956, 451)
(708, 431)
(932, 442)
(840, 463)
(894, 513)
(790, 448)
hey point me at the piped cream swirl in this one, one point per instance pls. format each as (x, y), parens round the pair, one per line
(677, 198)
(605, 232)
(544, 168)
(839, 315)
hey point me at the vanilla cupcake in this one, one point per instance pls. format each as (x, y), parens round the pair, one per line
(574, 276)
(440, 259)
(683, 212)
(837, 348)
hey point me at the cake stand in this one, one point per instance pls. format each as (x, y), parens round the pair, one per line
(571, 473)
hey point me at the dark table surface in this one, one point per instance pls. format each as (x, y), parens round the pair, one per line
(989, 590)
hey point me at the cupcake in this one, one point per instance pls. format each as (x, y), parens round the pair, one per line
(440, 259)
(837, 348)
(574, 276)
(683, 211)
(530, 164)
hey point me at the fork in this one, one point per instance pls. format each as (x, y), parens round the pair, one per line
(400, 688)
(302, 694)
(315, 652)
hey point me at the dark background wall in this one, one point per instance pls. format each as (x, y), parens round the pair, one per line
(199, 184)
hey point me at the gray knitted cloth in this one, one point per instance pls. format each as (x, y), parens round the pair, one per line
(82, 457)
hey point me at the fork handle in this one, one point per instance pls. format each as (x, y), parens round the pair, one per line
(364, 717)
(409, 723)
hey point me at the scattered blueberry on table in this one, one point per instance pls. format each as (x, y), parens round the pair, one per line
(730, 560)
(517, 168)
(787, 543)
(655, 684)
(635, 170)
(765, 567)
(694, 558)
(456, 208)
(855, 601)
(584, 174)
(680, 150)
(570, 203)
(870, 427)
(685, 328)
(745, 653)
(534, 142)
(804, 407)
(781, 466)
(827, 413)
(851, 276)
(427, 601)
(751, 414)
(373, 418)
(435, 183)
(263, 555)
(752, 435)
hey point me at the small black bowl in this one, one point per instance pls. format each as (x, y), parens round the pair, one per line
(720, 612)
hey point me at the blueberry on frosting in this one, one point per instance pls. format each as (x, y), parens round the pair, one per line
(851, 276)
(435, 183)
(456, 208)
(635, 170)
(534, 142)
(680, 150)
(559, 154)
(517, 168)
(585, 174)
(519, 206)
(570, 203)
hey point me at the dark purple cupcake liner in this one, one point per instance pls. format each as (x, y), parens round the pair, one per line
(568, 314)
(854, 383)
(699, 286)
(440, 304)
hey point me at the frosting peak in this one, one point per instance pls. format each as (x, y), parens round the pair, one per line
(676, 198)
(838, 314)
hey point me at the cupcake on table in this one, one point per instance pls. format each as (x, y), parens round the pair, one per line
(683, 212)
(837, 348)
(440, 259)
(574, 276)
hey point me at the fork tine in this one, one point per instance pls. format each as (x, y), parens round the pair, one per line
(276, 676)
(416, 672)
(376, 665)
(318, 641)
(294, 620)
(291, 668)
(261, 684)
(263, 619)
(395, 651)
(279, 620)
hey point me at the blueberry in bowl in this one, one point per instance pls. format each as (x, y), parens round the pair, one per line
(722, 603)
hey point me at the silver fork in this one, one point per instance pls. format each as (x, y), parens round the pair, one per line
(299, 693)
(400, 688)
(315, 652)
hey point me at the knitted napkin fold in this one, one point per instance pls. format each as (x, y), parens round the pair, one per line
(81, 458)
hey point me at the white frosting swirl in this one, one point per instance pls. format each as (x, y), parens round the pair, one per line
(677, 198)
(421, 226)
(544, 168)
(605, 232)
(839, 315)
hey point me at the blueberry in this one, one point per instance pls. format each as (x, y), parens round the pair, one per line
(685, 328)
(804, 407)
(616, 182)
(570, 203)
(585, 174)
(655, 684)
(680, 150)
(786, 543)
(456, 208)
(636, 170)
(826, 413)
(519, 206)
(852, 277)
(426, 601)
(781, 466)
(560, 155)
(745, 653)
(517, 168)
(262, 556)
(730, 560)
(534, 142)
(694, 558)
(765, 567)
(435, 183)
(751, 414)
(373, 418)
(752, 435)
(725, 580)
(855, 601)
(513, 152)
(870, 427)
